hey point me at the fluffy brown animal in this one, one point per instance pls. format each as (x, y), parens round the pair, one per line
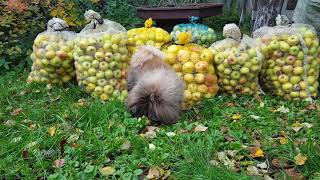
(154, 89)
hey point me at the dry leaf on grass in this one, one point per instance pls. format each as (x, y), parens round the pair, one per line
(152, 147)
(255, 117)
(300, 159)
(52, 131)
(279, 163)
(126, 145)
(158, 173)
(16, 112)
(170, 134)
(200, 128)
(283, 140)
(252, 170)
(106, 171)
(236, 117)
(256, 152)
(33, 126)
(283, 109)
(59, 163)
(296, 126)
(9, 123)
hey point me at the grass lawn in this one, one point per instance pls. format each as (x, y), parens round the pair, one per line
(49, 133)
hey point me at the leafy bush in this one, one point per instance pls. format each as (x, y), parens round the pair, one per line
(22, 20)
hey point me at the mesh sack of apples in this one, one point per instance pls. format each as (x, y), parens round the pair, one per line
(193, 63)
(291, 68)
(52, 55)
(147, 35)
(101, 58)
(201, 34)
(238, 64)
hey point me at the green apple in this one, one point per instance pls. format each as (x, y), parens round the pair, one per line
(91, 50)
(107, 46)
(283, 78)
(92, 71)
(255, 68)
(218, 59)
(287, 86)
(294, 50)
(274, 44)
(117, 74)
(252, 53)
(50, 54)
(99, 56)
(95, 64)
(227, 71)
(235, 74)
(117, 57)
(294, 94)
(280, 62)
(115, 48)
(244, 70)
(114, 65)
(284, 47)
(98, 90)
(232, 60)
(255, 61)
(293, 40)
(233, 82)
(102, 82)
(86, 65)
(108, 74)
(298, 70)
(300, 55)
(295, 79)
(92, 79)
(108, 56)
(113, 82)
(287, 69)
(311, 80)
(56, 61)
(100, 74)
(103, 66)
(291, 60)
(108, 89)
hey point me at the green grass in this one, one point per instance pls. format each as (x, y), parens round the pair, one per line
(102, 128)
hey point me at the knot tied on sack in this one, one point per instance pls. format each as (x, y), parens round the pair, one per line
(232, 31)
(94, 17)
(57, 24)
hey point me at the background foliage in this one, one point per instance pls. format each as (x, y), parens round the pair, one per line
(22, 20)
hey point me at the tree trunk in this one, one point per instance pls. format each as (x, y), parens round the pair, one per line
(266, 12)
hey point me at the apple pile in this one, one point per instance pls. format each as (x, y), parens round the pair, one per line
(52, 58)
(238, 65)
(193, 63)
(101, 64)
(201, 34)
(292, 66)
(147, 35)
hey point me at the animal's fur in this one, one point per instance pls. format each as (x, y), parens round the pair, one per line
(155, 90)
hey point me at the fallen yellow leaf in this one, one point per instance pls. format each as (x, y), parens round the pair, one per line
(32, 126)
(200, 128)
(283, 140)
(296, 126)
(106, 171)
(153, 173)
(236, 117)
(52, 131)
(300, 159)
(256, 152)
